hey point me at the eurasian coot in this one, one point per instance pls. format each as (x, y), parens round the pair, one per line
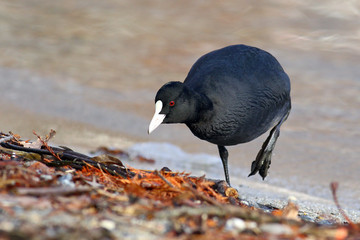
(230, 96)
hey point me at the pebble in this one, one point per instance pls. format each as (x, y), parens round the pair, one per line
(276, 229)
(235, 225)
(108, 224)
(67, 180)
(46, 177)
(7, 226)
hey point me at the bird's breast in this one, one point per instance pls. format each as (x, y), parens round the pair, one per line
(221, 131)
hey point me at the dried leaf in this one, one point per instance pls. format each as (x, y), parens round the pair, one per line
(107, 159)
(37, 144)
(106, 150)
(40, 141)
(144, 159)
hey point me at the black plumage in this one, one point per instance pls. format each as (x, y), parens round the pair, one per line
(230, 96)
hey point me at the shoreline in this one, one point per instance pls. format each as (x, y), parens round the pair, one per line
(137, 204)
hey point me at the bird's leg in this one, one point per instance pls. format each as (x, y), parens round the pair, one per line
(263, 158)
(224, 158)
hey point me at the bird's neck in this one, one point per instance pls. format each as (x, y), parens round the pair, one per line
(201, 107)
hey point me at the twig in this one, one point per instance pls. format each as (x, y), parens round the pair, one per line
(42, 191)
(6, 138)
(106, 177)
(202, 196)
(44, 143)
(121, 198)
(164, 179)
(334, 186)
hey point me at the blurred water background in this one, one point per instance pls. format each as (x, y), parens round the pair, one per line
(90, 70)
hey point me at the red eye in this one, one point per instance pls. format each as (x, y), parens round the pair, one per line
(171, 103)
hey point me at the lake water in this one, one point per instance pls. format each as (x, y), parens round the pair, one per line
(91, 72)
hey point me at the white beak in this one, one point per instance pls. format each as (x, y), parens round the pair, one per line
(157, 118)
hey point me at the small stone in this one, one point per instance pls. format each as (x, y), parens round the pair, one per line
(7, 226)
(235, 225)
(276, 229)
(67, 180)
(251, 225)
(108, 224)
(244, 202)
(46, 177)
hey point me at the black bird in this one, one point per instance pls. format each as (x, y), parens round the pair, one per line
(230, 96)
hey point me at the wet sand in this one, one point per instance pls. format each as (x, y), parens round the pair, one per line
(91, 70)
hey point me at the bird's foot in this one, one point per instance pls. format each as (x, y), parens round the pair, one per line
(261, 164)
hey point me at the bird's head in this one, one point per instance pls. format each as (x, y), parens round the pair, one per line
(173, 104)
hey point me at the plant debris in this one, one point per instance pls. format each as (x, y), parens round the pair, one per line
(55, 192)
